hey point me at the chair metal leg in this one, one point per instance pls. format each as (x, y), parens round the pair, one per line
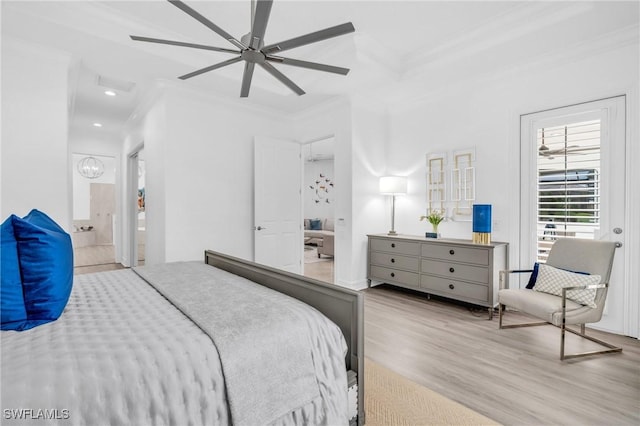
(581, 333)
(501, 309)
(563, 329)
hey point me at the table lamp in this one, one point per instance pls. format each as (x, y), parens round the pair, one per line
(393, 185)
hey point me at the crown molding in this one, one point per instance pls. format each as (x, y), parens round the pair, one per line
(527, 18)
(335, 102)
(423, 94)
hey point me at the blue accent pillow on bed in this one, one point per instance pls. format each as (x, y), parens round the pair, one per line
(46, 263)
(13, 311)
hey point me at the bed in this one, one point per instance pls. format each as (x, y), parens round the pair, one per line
(200, 343)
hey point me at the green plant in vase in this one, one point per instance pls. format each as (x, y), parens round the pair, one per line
(434, 218)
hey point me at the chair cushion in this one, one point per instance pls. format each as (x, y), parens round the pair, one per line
(552, 280)
(541, 305)
(328, 225)
(14, 314)
(547, 307)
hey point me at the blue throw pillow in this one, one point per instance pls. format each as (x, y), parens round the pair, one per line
(316, 225)
(534, 275)
(14, 314)
(46, 263)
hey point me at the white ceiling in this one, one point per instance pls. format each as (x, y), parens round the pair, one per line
(400, 49)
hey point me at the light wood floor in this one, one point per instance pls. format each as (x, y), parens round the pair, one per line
(513, 376)
(99, 258)
(319, 268)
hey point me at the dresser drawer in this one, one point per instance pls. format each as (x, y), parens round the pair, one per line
(394, 246)
(456, 271)
(455, 289)
(456, 253)
(395, 261)
(393, 276)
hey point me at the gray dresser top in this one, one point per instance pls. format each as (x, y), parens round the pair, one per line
(419, 238)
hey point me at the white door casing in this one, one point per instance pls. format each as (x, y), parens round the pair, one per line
(611, 113)
(278, 203)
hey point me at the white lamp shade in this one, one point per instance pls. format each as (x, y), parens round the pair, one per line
(393, 185)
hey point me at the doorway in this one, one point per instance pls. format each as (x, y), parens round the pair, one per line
(94, 207)
(573, 186)
(137, 207)
(318, 209)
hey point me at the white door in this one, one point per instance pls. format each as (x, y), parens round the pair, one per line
(580, 148)
(278, 204)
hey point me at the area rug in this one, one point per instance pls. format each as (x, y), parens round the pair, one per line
(393, 400)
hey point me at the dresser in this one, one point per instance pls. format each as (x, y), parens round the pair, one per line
(452, 268)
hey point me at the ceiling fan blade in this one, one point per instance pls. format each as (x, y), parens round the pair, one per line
(183, 44)
(277, 74)
(310, 65)
(211, 68)
(246, 79)
(336, 31)
(195, 15)
(260, 19)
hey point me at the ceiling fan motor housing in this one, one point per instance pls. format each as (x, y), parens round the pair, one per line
(253, 56)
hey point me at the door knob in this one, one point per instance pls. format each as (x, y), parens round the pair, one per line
(618, 244)
(258, 228)
(617, 230)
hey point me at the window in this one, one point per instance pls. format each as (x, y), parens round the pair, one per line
(568, 169)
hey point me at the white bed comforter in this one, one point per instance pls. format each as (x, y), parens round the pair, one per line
(122, 354)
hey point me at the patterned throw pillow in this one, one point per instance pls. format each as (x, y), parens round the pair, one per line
(552, 280)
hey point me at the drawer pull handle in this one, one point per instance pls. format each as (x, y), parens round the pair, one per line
(393, 275)
(451, 286)
(452, 252)
(393, 260)
(451, 270)
(393, 245)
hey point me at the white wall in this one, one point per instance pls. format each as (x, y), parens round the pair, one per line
(486, 114)
(199, 159)
(312, 171)
(371, 213)
(199, 162)
(35, 155)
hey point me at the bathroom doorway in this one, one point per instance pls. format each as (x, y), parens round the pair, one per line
(94, 211)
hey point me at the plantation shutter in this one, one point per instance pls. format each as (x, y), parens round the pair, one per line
(568, 183)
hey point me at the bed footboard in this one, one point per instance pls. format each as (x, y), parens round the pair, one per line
(343, 306)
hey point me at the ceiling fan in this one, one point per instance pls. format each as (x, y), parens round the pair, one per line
(252, 49)
(545, 151)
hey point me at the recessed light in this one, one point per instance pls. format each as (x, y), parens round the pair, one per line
(97, 124)
(109, 93)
